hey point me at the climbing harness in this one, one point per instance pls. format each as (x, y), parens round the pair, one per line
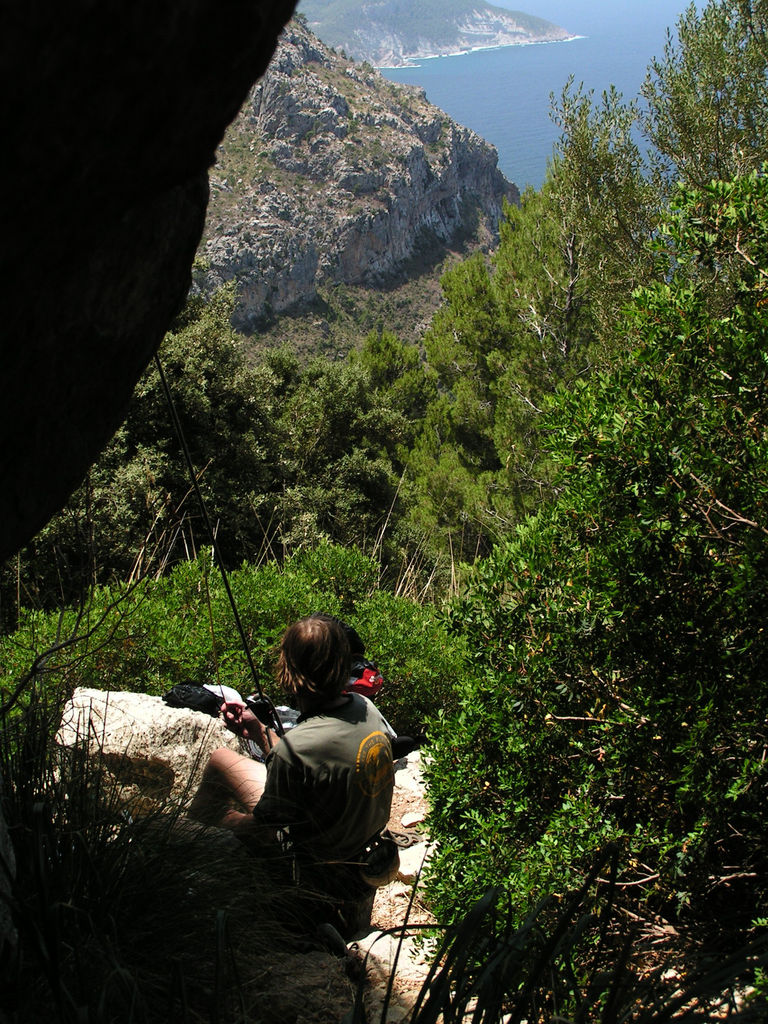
(265, 703)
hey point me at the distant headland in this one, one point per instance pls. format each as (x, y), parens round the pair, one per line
(415, 60)
(390, 35)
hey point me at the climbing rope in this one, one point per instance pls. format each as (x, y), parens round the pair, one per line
(264, 701)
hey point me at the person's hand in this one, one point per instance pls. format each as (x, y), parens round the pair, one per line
(239, 719)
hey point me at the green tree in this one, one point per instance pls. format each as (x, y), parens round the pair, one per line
(286, 454)
(509, 333)
(397, 377)
(454, 462)
(621, 631)
(538, 281)
(133, 513)
(702, 116)
(338, 479)
(544, 311)
(599, 185)
(707, 96)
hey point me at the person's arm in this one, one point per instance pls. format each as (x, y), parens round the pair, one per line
(239, 719)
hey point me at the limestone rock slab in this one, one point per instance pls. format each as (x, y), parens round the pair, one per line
(151, 754)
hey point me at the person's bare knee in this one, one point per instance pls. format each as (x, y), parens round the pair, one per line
(229, 779)
(222, 760)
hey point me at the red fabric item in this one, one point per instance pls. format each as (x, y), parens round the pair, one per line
(369, 683)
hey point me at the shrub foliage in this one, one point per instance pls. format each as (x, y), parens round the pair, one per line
(180, 628)
(621, 632)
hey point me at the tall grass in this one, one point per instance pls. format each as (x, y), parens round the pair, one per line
(575, 960)
(119, 920)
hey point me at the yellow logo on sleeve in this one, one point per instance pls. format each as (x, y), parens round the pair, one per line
(373, 769)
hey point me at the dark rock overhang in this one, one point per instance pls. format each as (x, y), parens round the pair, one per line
(112, 113)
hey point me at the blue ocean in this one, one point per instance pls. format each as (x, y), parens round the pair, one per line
(504, 94)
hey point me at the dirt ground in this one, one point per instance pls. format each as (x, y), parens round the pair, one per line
(393, 903)
(399, 907)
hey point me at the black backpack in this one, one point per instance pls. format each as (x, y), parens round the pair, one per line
(190, 695)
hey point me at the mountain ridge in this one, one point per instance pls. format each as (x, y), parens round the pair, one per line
(391, 33)
(332, 176)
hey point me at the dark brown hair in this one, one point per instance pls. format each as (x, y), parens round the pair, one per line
(314, 660)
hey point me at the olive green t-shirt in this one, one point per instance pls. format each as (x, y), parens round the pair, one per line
(330, 781)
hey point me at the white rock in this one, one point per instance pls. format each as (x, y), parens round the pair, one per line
(408, 773)
(412, 818)
(383, 949)
(412, 860)
(151, 753)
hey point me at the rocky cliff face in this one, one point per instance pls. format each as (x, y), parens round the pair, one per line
(332, 175)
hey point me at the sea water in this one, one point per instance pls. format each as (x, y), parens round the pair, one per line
(504, 94)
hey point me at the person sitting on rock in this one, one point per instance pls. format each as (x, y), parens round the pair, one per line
(327, 783)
